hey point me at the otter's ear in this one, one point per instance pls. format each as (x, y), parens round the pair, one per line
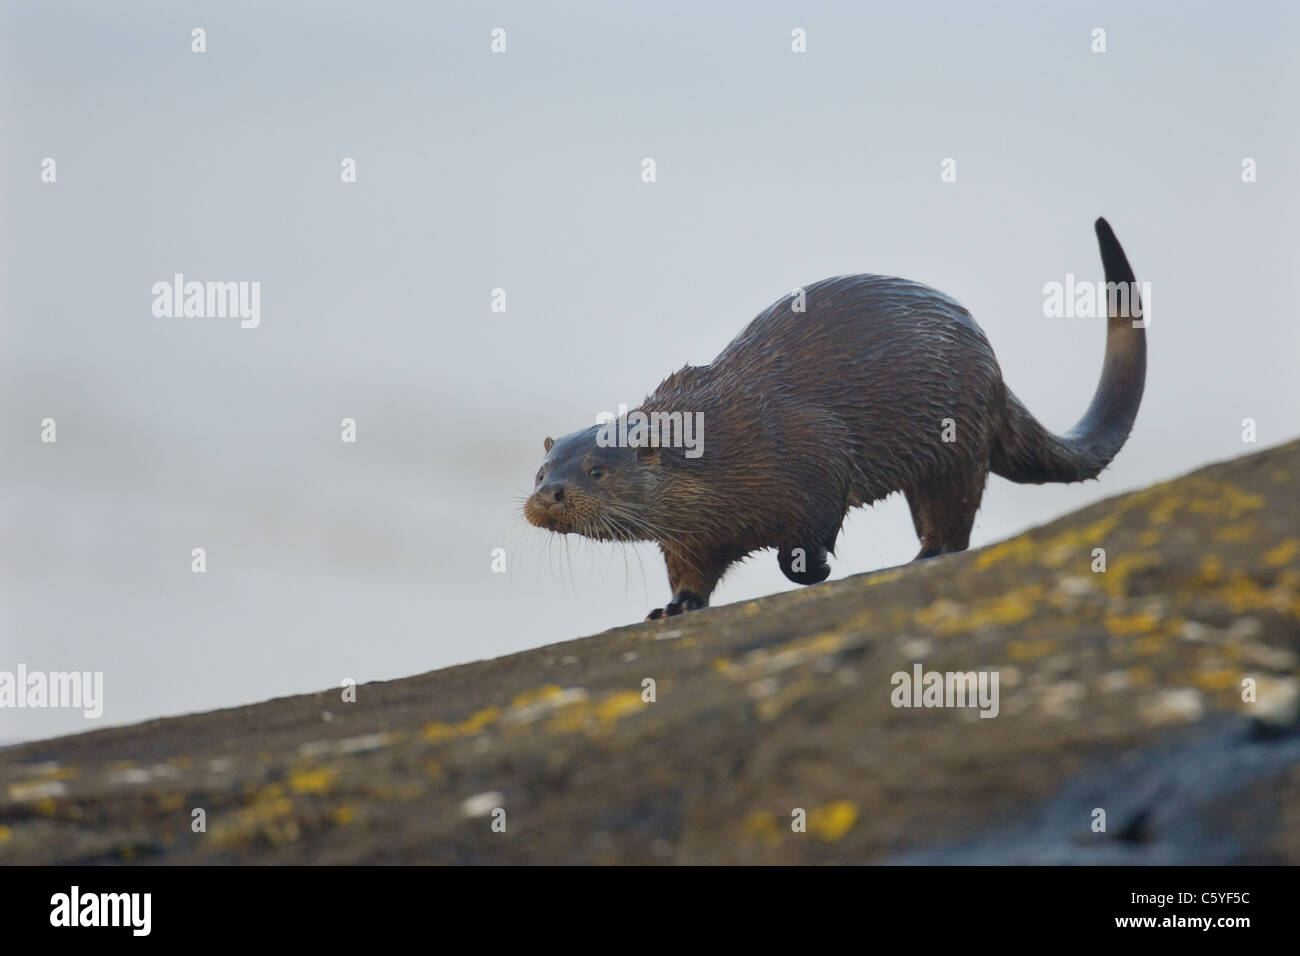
(548, 443)
(647, 456)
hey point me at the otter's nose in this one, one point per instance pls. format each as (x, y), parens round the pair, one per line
(551, 493)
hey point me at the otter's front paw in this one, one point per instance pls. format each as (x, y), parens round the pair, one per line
(683, 601)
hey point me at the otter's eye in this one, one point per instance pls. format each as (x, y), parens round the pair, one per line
(596, 472)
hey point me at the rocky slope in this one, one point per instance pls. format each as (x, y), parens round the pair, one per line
(1118, 690)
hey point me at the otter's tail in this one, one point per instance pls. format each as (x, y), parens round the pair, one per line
(1027, 452)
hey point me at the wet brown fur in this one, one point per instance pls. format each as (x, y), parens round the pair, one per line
(808, 414)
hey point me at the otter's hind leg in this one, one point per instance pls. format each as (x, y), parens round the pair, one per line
(943, 512)
(803, 559)
(808, 566)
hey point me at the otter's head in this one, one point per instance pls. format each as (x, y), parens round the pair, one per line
(593, 490)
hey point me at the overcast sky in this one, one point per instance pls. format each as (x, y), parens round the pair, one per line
(522, 170)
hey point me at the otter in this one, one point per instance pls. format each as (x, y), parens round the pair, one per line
(878, 385)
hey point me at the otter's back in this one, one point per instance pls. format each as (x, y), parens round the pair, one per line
(859, 324)
(889, 359)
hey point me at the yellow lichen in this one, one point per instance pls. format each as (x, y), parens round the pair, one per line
(1149, 644)
(611, 708)
(476, 723)
(478, 720)
(769, 708)
(1114, 580)
(58, 773)
(598, 717)
(1021, 550)
(319, 780)
(762, 825)
(1236, 533)
(1060, 549)
(1119, 625)
(538, 695)
(1211, 569)
(1282, 554)
(883, 577)
(946, 617)
(1201, 496)
(437, 732)
(1218, 679)
(1030, 650)
(833, 820)
(1243, 593)
(269, 816)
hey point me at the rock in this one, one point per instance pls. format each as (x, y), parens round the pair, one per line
(773, 735)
